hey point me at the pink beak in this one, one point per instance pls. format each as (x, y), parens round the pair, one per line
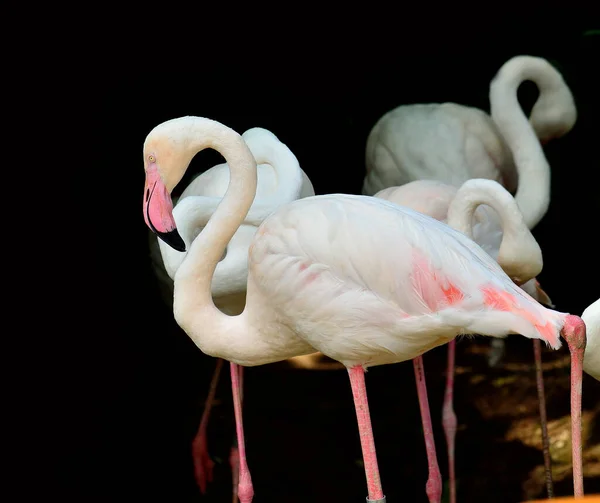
(158, 210)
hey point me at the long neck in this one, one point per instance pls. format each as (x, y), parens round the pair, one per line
(519, 255)
(533, 191)
(193, 306)
(267, 149)
(191, 215)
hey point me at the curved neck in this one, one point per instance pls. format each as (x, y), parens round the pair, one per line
(267, 149)
(193, 306)
(191, 214)
(519, 255)
(533, 191)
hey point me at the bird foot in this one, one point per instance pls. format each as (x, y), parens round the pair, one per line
(381, 500)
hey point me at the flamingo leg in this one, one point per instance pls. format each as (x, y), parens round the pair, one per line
(449, 418)
(245, 488)
(234, 455)
(203, 465)
(576, 342)
(433, 488)
(539, 377)
(367, 442)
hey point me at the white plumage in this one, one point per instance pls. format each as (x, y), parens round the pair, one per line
(362, 280)
(591, 361)
(452, 143)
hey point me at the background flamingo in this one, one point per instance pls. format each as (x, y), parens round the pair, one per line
(452, 143)
(296, 302)
(591, 361)
(498, 228)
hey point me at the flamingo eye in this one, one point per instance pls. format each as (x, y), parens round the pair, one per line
(151, 158)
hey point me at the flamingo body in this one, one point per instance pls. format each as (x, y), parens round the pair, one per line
(453, 143)
(310, 284)
(591, 361)
(434, 198)
(436, 141)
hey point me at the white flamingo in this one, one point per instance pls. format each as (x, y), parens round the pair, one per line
(280, 180)
(452, 143)
(362, 280)
(485, 212)
(591, 362)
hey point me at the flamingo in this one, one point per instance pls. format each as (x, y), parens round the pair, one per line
(591, 361)
(360, 279)
(452, 143)
(280, 179)
(499, 228)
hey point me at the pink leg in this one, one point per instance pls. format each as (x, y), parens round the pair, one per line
(203, 465)
(574, 333)
(367, 442)
(539, 377)
(433, 488)
(234, 455)
(449, 418)
(245, 489)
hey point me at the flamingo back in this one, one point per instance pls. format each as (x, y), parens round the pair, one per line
(446, 142)
(363, 277)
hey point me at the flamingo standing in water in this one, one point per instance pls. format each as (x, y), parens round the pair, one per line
(485, 212)
(280, 180)
(362, 280)
(452, 143)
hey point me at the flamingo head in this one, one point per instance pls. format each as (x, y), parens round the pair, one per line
(158, 205)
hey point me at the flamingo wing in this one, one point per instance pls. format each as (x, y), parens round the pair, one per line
(371, 278)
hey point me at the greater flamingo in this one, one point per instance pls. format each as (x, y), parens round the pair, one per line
(486, 212)
(452, 143)
(591, 361)
(280, 180)
(362, 280)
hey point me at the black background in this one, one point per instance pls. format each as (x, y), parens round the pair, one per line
(127, 384)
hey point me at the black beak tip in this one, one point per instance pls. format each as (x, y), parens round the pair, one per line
(173, 239)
